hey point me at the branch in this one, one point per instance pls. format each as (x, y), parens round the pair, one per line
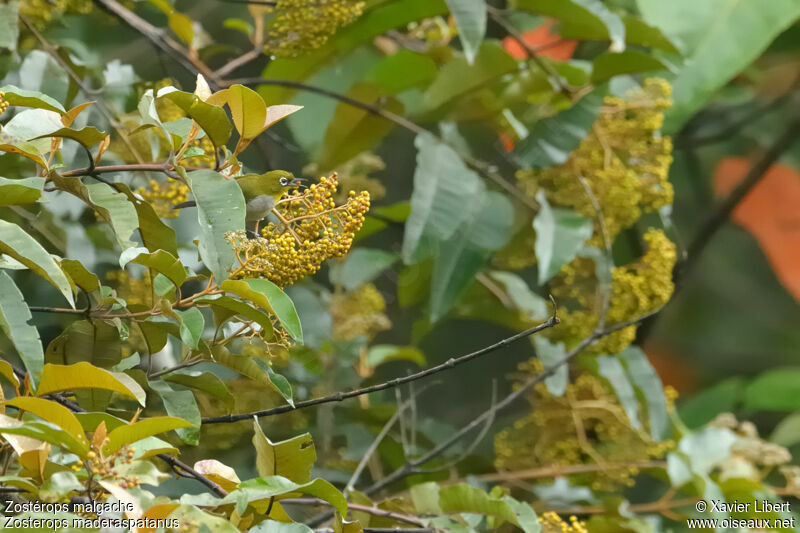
(375, 511)
(340, 396)
(723, 211)
(237, 62)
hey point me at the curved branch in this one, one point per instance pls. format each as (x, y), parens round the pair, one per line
(340, 396)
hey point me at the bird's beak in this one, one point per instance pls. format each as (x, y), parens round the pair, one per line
(298, 182)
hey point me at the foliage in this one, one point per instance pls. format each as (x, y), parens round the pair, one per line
(481, 157)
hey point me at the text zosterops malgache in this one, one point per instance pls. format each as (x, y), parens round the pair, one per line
(260, 191)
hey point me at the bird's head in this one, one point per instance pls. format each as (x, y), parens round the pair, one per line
(274, 183)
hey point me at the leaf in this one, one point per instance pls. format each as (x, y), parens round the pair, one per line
(470, 17)
(88, 136)
(219, 473)
(402, 70)
(610, 64)
(155, 234)
(552, 139)
(7, 371)
(458, 77)
(531, 304)
(463, 498)
(14, 145)
(769, 212)
(248, 109)
(266, 487)
(192, 325)
(268, 296)
(701, 408)
(246, 366)
(9, 25)
(160, 261)
(639, 32)
(93, 341)
(202, 381)
(220, 209)
(130, 433)
(60, 378)
(20, 191)
(211, 118)
(79, 275)
(291, 458)
(787, 432)
(580, 19)
(15, 242)
(611, 369)
(550, 355)
(182, 26)
(354, 130)
(228, 307)
(560, 234)
(46, 432)
(774, 390)
(25, 98)
(52, 412)
(182, 405)
(644, 378)
(720, 38)
(271, 526)
(360, 266)
(14, 318)
(384, 353)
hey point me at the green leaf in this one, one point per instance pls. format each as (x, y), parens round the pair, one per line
(25, 98)
(220, 209)
(610, 64)
(155, 234)
(192, 325)
(90, 421)
(202, 381)
(246, 366)
(79, 275)
(463, 498)
(130, 433)
(531, 304)
(248, 109)
(722, 397)
(550, 355)
(180, 404)
(354, 130)
(402, 70)
(268, 296)
(720, 38)
(14, 145)
(88, 136)
(360, 266)
(46, 432)
(266, 487)
(52, 412)
(32, 123)
(20, 191)
(459, 77)
(9, 25)
(211, 118)
(774, 390)
(560, 234)
(160, 261)
(639, 32)
(470, 17)
(95, 341)
(271, 526)
(15, 242)
(384, 353)
(14, 318)
(552, 139)
(645, 379)
(83, 375)
(373, 22)
(182, 26)
(291, 458)
(580, 19)
(611, 369)
(226, 307)
(207, 522)
(238, 24)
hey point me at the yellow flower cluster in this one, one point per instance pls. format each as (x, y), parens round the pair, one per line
(298, 26)
(359, 313)
(41, 12)
(313, 228)
(163, 196)
(587, 425)
(552, 523)
(101, 466)
(624, 160)
(3, 103)
(636, 289)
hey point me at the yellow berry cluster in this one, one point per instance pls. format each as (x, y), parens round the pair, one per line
(164, 196)
(3, 103)
(298, 26)
(637, 288)
(587, 425)
(552, 523)
(41, 12)
(624, 159)
(102, 466)
(359, 313)
(313, 228)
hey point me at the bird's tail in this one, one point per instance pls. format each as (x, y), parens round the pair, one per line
(190, 203)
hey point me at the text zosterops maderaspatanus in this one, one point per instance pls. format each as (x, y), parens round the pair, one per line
(261, 191)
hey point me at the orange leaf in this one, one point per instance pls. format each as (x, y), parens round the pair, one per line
(548, 43)
(769, 213)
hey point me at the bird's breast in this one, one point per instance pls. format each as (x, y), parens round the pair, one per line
(259, 207)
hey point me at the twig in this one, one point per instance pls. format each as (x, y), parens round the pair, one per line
(235, 63)
(605, 288)
(340, 396)
(375, 511)
(566, 470)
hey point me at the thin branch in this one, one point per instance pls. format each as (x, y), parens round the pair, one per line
(723, 211)
(340, 396)
(605, 287)
(482, 167)
(566, 470)
(237, 62)
(375, 511)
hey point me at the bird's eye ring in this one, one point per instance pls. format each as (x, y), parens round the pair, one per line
(284, 181)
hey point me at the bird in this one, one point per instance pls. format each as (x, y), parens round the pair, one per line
(260, 191)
